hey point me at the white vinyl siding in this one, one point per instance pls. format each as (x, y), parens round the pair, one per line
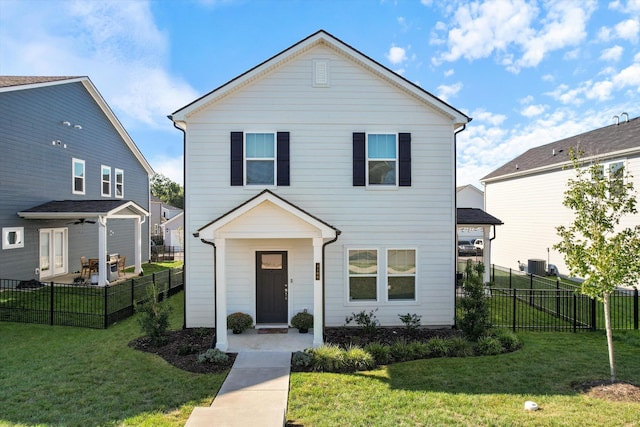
(321, 169)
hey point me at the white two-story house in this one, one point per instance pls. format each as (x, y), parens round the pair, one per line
(319, 180)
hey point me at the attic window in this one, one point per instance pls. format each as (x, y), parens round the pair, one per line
(320, 73)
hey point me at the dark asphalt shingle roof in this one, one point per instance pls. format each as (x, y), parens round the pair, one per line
(598, 142)
(79, 206)
(475, 216)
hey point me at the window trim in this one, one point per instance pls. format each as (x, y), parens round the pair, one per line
(118, 173)
(245, 158)
(19, 233)
(367, 160)
(75, 161)
(377, 276)
(414, 275)
(103, 168)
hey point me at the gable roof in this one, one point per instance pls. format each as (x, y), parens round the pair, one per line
(324, 38)
(73, 209)
(475, 216)
(604, 143)
(15, 83)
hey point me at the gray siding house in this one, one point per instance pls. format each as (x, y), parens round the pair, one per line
(72, 181)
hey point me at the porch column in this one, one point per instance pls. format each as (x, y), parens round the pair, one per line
(221, 295)
(486, 254)
(317, 292)
(102, 251)
(137, 245)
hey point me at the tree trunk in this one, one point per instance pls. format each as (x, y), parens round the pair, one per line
(607, 323)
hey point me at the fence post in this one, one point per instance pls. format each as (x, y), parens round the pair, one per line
(593, 314)
(635, 309)
(133, 295)
(51, 307)
(575, 312)
(531, 289)
(106, 312)
(509, 278)
(169, 279)
(557, 297)
(514, 309)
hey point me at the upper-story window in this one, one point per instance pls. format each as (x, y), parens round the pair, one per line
(119, 189)
(78, 180)
(260, 159)
(106, 181)
(381, 159)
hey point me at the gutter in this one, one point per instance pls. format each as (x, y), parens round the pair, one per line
(324, 299)
(455, 214)
(215, 303)
(184, 211)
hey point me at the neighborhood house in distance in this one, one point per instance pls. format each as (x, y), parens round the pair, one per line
(319, 180)
(527, 192)
(74, 184)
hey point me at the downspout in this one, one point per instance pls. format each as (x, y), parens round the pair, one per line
(184, 210)
(324, 245)
(455, 207)
(215, 301)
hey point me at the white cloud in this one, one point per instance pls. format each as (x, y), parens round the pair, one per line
(396, 55)
(628, 30)
(446, 91)
(481, 115)
(450, 72)
(532, 110)
(171, 167)
(612, 54)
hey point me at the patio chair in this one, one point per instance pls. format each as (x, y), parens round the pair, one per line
(84, 262)
(93, 265)
(122, 263)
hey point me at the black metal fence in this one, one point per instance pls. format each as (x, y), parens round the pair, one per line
(522, 301)
(82, 305)
(161, 253)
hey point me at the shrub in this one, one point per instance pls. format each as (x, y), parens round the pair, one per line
(474, 320)
(401, 351)
(302, 359)
(438, 347)
(154, 317)
(419, 350)
(381, 353)
(185, 349)
(367, 321)
(411, 321)
(328, 358)
(239, 322)
(460, 347)
(357, 359)
(302, 321)
(488, 346)
(508, 339)
(213, 356)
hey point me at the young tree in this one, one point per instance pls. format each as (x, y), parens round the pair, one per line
(594, 246)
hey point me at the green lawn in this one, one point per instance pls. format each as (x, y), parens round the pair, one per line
(474, 391)
(66, 376)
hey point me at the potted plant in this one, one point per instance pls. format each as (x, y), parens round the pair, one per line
(302, 321)
(239, 322)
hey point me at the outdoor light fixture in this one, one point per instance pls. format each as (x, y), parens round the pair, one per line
(66, 123)
(77, 127)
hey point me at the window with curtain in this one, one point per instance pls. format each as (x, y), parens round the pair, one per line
(401, 274)
(363, 274)
(382, 159)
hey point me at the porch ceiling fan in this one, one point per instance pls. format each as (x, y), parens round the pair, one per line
(82, 221)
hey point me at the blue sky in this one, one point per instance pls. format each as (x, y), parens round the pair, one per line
(527, 72)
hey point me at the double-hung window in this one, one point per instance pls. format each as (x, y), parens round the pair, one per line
(363, 275)
(260, 159)
(382, 159)
(401, 274)
(119, 189)
(78, 174)
(105, 175)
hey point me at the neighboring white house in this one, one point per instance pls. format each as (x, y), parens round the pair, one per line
(527, 192)
(469, 196)
(173, 231)
(319, 180)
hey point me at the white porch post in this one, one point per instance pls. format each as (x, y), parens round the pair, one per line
(221, 295)
(317, 292)
(102, 251)
(137, 257)
(486, 254)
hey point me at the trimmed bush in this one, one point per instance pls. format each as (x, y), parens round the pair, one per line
(213, 356)
(302, 321)
(381, 353)
(357, 359)
(488, 346)
(302, 359)
(474, 321)
(460, 347)
(239, 322)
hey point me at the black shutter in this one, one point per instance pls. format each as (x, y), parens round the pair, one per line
(283, 158)
(237, 173)
(404, 160)
(359, 161)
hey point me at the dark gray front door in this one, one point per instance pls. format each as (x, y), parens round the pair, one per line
(271, 287)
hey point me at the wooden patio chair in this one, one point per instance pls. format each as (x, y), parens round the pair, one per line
(93, 265)
(84, 262)
(122, 264)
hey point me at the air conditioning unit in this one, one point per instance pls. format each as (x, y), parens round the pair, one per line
(537, 267)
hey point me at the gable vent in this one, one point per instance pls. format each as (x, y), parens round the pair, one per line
(320, 73)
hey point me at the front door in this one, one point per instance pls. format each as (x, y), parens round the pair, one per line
(271, 287)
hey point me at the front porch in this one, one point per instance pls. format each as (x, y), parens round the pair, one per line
(253, 340)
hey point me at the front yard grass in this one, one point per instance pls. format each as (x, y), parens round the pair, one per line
(66, 376)
(472, 391)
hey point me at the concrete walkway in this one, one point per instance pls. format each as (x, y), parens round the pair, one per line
(256, 391)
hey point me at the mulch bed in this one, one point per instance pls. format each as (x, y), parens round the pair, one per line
(183, 348)
(346, 336)
(605, 390)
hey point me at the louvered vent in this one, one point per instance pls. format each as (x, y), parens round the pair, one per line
(320, 73)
